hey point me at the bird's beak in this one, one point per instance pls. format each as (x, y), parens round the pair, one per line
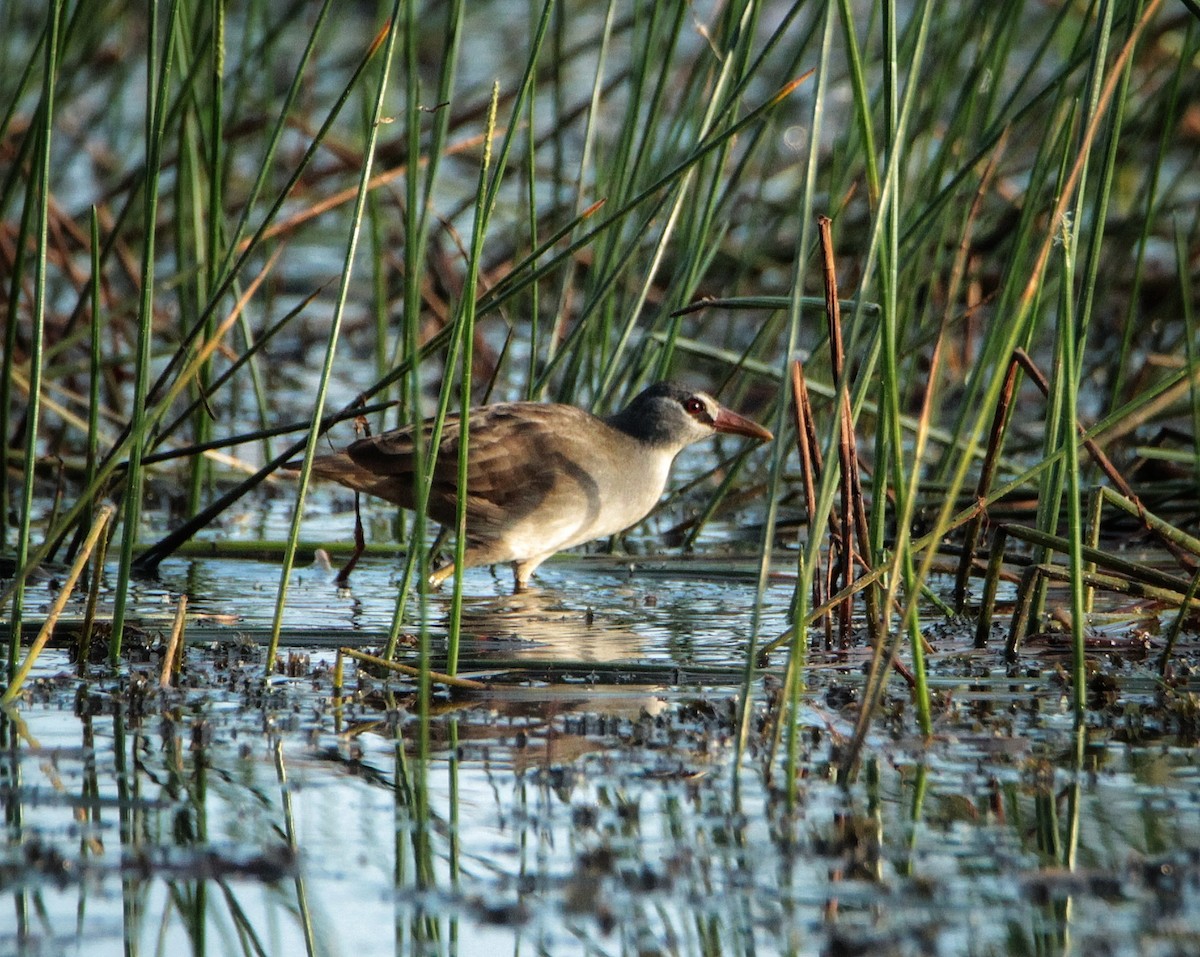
(727, 421)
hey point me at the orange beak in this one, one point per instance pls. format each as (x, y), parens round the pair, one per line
(731, 422)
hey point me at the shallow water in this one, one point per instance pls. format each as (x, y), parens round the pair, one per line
(586, 802)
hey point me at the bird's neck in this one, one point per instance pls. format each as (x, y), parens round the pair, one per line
(649, 431)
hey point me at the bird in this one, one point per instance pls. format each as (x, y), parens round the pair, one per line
(541, 477)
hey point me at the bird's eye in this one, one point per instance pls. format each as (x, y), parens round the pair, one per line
(694, 406)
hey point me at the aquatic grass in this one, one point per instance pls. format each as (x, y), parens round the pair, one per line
(1176, 626)
(385, 40)
(1023, 479)
(850, 536)
(461, 342)
(613, 218)
(408, 349)
(190, 239)
(37, 198)
(148, 561)
(464, 339)
(231, 268)
(1151, 211)
(808, 559)
(84, 647)
(991, 582)
(842, 431)
(158, 72)
(1131, 570)
(1121, 494)
(304, 910)
(95, 360)
(1030, 293)
(1069, 346)
(1182, 544)
(532, 224)
(230, 272)
(1189, 338)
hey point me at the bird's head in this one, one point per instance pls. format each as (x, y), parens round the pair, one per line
(668, 415)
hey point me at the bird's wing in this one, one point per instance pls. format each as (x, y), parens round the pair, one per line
(510, 449)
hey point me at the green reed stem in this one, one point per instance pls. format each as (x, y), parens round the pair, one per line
(1150, 211)
(1069, 364)
(532, 226)
(862, 99)
(95, 358)
(387, 39)
(1050, 491)
(8, 360)
(158, 71)
(40, 193)
(411, 395)
(905, 477)
(1168, 531)
(466, 336)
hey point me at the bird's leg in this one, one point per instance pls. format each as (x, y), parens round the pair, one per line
(474, 555)
(360, 545)
(523, 570)
(439, 575)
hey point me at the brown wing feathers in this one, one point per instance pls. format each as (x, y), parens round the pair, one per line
(505, 468)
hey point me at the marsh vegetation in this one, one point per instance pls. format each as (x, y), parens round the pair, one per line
(917, 677)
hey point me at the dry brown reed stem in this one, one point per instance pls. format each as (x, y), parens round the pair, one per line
(810, 465)
(986, 474)
(1106, 466)
(822, 575)
(103, 515)
(837, 363)
(437, 677)
(854, 523)
(173, 658)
